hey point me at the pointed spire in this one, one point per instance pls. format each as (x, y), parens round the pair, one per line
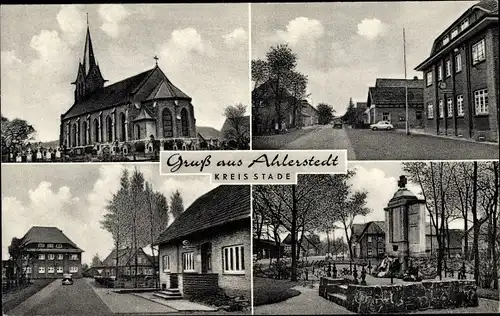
(88, 54)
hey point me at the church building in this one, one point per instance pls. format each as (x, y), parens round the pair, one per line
(140, 113)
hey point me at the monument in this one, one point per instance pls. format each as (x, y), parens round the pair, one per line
(405, 221)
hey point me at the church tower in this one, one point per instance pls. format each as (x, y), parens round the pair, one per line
(89, 78)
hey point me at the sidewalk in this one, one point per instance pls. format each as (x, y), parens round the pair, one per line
(127, 303)
(421, 132)
(35, 299)
(144, 303)
(307, 303)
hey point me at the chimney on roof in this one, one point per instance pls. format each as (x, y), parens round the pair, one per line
(415, 78)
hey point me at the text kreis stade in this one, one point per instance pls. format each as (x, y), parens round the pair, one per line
(176, 161)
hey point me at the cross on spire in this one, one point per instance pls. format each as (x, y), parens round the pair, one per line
(156, 60)
(87, 19)
(402, 182)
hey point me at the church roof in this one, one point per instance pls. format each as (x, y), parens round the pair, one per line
(166, 89)
(114, 94)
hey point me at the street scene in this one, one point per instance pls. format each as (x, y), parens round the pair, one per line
(387, 237)
(374, 88)
(76, 90)
(121, 239)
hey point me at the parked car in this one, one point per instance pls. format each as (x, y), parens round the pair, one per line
(67, 279)
(385, 125)
(337, 124)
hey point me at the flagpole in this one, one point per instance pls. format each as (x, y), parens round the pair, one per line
(406, 86)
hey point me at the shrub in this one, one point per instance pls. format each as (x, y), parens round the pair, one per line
(140, 147)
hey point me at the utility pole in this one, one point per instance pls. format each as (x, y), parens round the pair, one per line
(406, 86)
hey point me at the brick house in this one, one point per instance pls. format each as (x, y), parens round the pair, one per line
(208, 246)
(264, 113)
(114, 118)
(387, 102)
(126, 263)
(461, 76)
(49, 253)
(371, 240)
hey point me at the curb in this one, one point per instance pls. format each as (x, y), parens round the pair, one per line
(447, 137)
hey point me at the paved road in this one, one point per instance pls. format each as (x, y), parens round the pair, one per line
(364, 144)
(77, 299)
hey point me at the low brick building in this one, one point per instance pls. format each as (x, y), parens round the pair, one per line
(49, 253)
(126, 259)
(461, 73)
(387, 102)
(208, 246)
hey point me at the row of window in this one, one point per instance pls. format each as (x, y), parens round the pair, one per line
(51, 256)
(480, 105)
(454, 32)
(233, 260)
(478, 55)
(380, 251)
(40, 245)
(380, 239)
(59, 269)
(167, 121)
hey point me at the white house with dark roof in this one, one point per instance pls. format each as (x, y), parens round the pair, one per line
(50, 254)
(208, 246)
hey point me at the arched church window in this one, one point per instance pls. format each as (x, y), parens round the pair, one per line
(96, 130)
(109, 129)
(184, 123)
(73, 135)
(122, 127)
(84, 133)
(167, 123)
(138, 131)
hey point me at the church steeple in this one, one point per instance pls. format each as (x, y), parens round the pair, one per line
(89, 78)
(88, 54)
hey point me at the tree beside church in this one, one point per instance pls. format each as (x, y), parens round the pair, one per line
(143, 113)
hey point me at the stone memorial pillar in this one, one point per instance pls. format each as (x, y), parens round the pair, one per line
(405, 223)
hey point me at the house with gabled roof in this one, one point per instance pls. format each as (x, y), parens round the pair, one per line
(141, 108)
(49, 253)
(265, 115)
(386, 101)
(207, 247)
(462, 76)
(127, 266)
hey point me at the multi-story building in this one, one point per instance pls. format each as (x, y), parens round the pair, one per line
(387, 102)
(49, 253)
(461, 76)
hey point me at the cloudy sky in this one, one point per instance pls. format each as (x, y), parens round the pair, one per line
(203, 52)
(380, 180)
(73, 198)
(344, 47)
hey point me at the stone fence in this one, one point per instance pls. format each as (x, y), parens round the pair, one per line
(397, 298)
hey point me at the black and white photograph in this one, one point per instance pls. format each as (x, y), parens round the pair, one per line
(120, 82)
(387, 237)
(397, 80)
(90, 239)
